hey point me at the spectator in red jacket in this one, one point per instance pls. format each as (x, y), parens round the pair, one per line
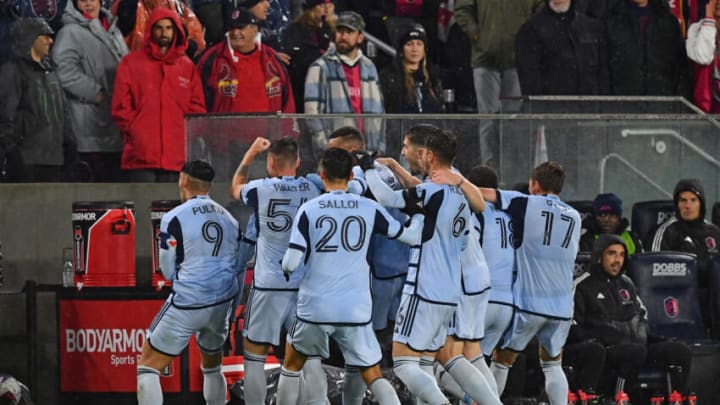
(154, 88)
(238, 75)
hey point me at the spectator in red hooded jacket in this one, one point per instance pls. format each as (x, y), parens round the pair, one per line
(154, 88)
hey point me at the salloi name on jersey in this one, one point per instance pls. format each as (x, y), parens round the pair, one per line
(347, 204)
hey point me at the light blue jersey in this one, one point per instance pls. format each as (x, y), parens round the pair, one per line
(475, 272)
(356, 185)
(331, 235)
(389, 257)
(199, 253)
(494, 227)
(275, 202)
(545, 235)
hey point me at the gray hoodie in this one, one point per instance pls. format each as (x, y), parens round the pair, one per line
(87, 57)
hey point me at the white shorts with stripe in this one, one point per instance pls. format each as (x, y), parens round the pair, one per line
(468, 322)
(172, 327)
(551, 333)
(266, 313)
(357, 343)
(422, 325)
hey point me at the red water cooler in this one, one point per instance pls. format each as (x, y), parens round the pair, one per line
(157, 210)
(104, 244)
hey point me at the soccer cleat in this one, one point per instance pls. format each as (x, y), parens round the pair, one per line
(691, 399)
(621, 398)
(675, 398)
(657, 399)
(572, 398)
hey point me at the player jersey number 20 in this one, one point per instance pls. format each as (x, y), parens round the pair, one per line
(352, 234)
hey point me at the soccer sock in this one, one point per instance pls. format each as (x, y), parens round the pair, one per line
(556, 384)
(421, 384)
(384, 392)
(255, 384)
(149, 391)
(315, 381)
(481, 365)
(471, 381)
(500, 372)
(288, 389)
(214, 385)
(447, 383)
(353, 387)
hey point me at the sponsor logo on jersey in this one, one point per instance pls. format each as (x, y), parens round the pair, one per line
(669, 270)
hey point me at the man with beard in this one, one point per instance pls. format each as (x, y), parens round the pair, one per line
(607, 218)
(344, 81)
(154, 88)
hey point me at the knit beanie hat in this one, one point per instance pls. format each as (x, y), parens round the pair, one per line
(413, 31)
(607, 203)
(308, 4)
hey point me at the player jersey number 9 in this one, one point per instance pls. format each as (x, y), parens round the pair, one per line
(213, 233)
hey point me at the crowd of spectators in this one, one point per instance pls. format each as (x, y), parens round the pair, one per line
(311, 56)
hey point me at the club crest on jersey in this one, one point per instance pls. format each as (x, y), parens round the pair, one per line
(624, 294)
(672, 307)
(711, 243)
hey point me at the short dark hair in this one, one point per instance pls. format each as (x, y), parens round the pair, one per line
(284, 149)
(348, 133)
(337, 164)
(443, 145)
(550, 175)
(419, 134)
(483, 176)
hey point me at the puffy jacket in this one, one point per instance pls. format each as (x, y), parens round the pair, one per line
(491, 26)
(33, 108)
(562, 54)
(631, 239)
(396, 96)
(699, 237)
(87, 57)
(153, 92)
(217, 65)
(658, 66)
(607, 308)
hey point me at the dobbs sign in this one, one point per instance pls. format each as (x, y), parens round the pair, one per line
(101, 342)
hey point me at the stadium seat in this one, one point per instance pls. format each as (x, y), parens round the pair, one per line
(667, 283)
(582, 264)
(647, 216)
(714, 288)
(584, 207)
(716, 213)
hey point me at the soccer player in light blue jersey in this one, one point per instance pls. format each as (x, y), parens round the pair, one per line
(199, 253)
(433, 286)
(545, 235)
(271, 305)
(331, 236)
(494, 226)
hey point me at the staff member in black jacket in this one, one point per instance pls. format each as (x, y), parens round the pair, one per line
(609, 310)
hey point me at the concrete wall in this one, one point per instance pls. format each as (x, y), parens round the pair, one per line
(35, 226)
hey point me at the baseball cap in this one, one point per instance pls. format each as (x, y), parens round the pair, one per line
(351, 20)
(238, 18)
(199, 169)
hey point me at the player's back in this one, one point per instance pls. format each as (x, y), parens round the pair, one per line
(336, 228)
(275, 202)
(546, 235)
(205, 236)
(494, 226)
(434, 269)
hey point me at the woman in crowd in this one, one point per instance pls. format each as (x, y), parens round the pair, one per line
(87, 51)
(306, 39)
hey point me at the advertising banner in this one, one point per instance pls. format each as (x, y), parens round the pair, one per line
(100, 342)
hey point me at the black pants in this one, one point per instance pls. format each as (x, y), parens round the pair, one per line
(627, 359)
(587, 360)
